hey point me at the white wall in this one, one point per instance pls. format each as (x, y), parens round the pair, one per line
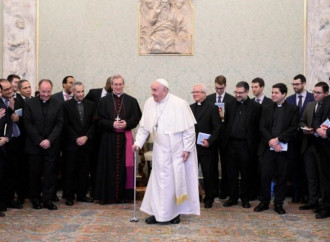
(93, 39)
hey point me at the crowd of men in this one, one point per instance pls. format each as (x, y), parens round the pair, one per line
(87, 141)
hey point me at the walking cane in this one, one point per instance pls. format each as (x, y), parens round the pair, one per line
(134, 218)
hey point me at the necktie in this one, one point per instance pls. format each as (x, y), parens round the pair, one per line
(67, 97)
(258, 100)
(318, 107)
(14, 128)
(80, 111)
(219, 99)
(300, 101)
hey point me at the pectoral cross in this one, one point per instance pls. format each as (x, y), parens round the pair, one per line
(117, 119)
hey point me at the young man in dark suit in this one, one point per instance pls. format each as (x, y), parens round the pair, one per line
(297, 170)
(257, 86)
(66, 93)
(43, 120)
(78, 132)
(278, 127)
(323, 146)
(241, 138)
(308, 147)
(208, 121)
(221, 96)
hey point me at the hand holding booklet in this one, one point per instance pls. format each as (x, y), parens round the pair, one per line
(221, 105)
(201, 136)
(326, 124)
(283, 145)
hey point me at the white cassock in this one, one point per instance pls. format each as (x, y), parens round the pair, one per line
(173, 184)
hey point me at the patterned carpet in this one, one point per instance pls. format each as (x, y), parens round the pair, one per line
(93, 222)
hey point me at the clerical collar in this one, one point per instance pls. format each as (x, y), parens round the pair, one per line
(279, 105)
(118, 95)
(199, 104)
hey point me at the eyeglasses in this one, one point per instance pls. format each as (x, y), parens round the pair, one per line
(318, 93)
(196, 92)
(296, 84)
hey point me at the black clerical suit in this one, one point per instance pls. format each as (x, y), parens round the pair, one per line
(276, 121)
(78, 122)
(226, 99)
(208, 121)
(323, 146)
(42, 120)
(240, 144)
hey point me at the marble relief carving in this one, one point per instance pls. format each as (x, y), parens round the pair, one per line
(166, 27)
(19, 39)
(318, 41)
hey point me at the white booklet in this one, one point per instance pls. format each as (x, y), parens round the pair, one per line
(283, 145)
(19, 112)
(221, 105)
(326, 124)
(201, 136)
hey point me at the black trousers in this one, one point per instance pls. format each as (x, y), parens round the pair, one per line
(273, 165)
(209, 168)
(76, 170)
(325, 174)
(224, 177)
(238, 161)
(42, 164)
(13, 159)
(312, 168)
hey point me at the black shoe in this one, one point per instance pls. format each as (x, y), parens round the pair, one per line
(246, 204)
(3, 208)
(308, 206)
(36, 204)
(85, 199)
(324, 213)
(2, 214)
(69, 202)
(176, 220)
(208, 205)
(279, 209)
(55, 198)
(229, 203)
(49, 205)
(261, 207)
(14, 204)
(151, 220)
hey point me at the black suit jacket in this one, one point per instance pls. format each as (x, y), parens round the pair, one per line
(227, 98)
(322, 115)
(208, 121)
(6, 120)
(253, 113)
(73, 128)
(59, 96)
(289, 127)
(39, 127)
(94, 95)
(266, 101)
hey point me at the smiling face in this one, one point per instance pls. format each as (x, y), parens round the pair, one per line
(117, 85)
(198, 93)
(45, 91)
